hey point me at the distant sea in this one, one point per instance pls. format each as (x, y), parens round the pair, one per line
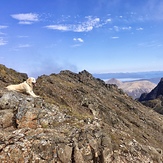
(153, 76)
(125, 79)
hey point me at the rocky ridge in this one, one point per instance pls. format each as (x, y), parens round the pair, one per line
(77, 118)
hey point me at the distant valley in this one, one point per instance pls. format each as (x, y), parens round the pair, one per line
(133, 88)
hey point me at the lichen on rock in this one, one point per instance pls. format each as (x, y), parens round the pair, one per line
(77, 119)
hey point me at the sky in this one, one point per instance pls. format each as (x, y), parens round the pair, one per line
(101, 36)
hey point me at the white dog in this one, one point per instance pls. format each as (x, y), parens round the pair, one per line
(25, 87)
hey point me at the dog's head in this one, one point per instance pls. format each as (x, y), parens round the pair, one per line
(31, 81)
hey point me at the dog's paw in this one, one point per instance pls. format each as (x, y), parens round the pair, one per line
(36, 96)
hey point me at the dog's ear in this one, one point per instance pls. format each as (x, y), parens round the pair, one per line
(28, 81)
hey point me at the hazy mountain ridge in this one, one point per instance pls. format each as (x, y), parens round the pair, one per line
(153, 76)
(153, 80)
(134, 88)
(77, 119)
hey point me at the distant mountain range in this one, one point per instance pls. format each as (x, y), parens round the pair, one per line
(133, 88)
(153, 76)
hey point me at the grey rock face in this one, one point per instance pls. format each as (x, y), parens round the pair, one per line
(76, 122)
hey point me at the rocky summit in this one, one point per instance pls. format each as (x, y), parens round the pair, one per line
(76, 119)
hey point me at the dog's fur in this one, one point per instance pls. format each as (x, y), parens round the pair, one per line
(25, 87)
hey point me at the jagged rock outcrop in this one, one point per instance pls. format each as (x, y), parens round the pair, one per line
(155, 93)
(133, 88)
(154, 99)
(77, 119)
(8, 76)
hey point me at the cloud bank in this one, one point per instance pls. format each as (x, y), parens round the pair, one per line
(2, 42)
(84, 26)
(24, 46)
(28, 18)
(3, 26)
(78, 39)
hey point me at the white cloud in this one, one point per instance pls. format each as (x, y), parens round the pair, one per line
(24, 46)
(126, 28)
(153, 9)
(108, 20)
(139, 29)
(2, 42)
(85, 26)
(3, 26)
(1, 33)
(76, 45)
(59, 27)
(114, 37)
(153, 44)
(117, 29)
(78, 39)
(25, 22)
(28, 18)
(21, 36)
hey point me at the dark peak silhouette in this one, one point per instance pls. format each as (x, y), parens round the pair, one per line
(154, 94)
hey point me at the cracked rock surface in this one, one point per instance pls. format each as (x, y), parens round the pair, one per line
(77, 119)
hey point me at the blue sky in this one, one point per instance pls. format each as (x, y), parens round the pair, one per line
(45, 36)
